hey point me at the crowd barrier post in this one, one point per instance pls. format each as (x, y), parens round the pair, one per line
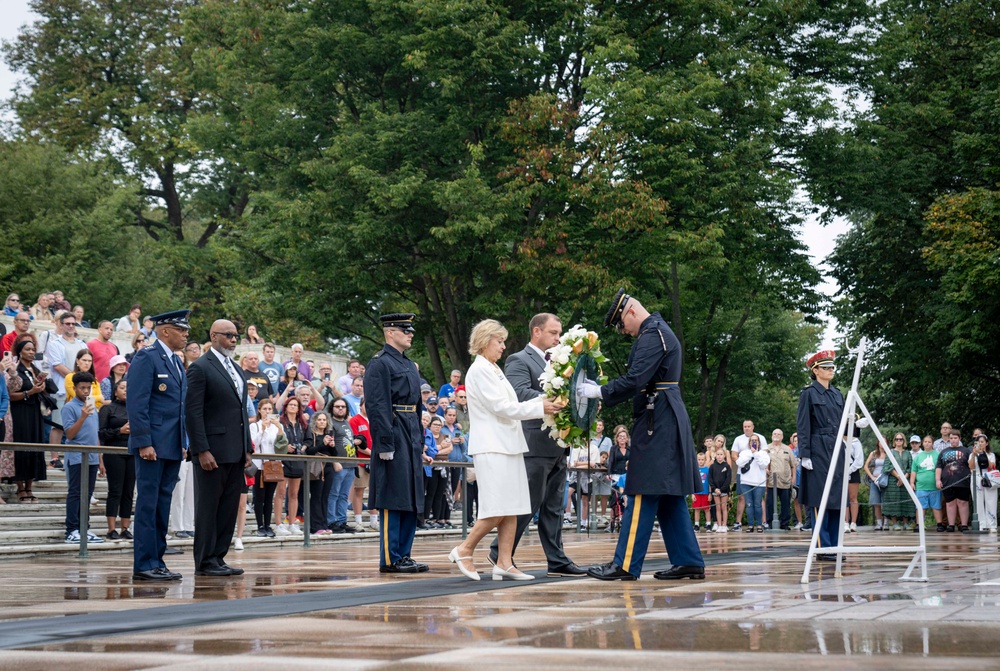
(465, 510)
(84, 498)
(306, 517)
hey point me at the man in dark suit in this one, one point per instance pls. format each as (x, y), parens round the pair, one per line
(545, 461)
(219, 448)
(157, 389)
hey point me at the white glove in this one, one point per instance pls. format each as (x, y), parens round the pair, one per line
(589, 389)
(387, 456)
(807, 464)
(862, 423)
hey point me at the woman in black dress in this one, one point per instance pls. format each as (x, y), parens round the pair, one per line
(26, 411)
(120, 468)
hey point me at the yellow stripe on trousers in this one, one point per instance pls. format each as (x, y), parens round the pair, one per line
(631, 532)
(385, 535)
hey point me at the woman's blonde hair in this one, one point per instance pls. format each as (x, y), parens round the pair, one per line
(483, 332)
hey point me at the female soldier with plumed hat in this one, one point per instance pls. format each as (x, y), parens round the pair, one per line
(820, 408)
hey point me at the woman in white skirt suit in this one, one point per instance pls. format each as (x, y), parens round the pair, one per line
(497, 447)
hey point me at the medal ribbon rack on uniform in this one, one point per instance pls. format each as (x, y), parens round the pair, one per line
(852, 404)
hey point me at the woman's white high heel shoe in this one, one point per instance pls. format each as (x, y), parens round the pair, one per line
(455, 559)
(501, 574)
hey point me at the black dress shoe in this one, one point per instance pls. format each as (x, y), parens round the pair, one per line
(421, 568)
(215, 571)
(570, 570)
(173, 551)
(163, 570)
(681, 572)
(610, 571)
(826, 557)
(233, 570)
(401, 566)
(126, 534)
(153, 574)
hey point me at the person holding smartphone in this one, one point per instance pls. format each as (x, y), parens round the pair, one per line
(26, 386)
(82, 427)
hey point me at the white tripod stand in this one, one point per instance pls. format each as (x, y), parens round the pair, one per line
(852, 403)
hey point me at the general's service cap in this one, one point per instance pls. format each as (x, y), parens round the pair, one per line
(178, 318)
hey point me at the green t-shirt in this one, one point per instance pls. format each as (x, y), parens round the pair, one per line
(925, 466)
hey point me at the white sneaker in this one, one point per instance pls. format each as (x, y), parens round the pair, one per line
(94, 538)
(878, 525)
(854, 526)
(73, 537)
(715, 526)
(282, 530)
(723, 530)
(93, 500)
(798, 526)
(238, 544)
(294, 530)
(373, 525)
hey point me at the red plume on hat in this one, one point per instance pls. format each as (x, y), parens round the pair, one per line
(824, 356)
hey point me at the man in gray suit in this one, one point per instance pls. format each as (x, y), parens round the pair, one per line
(545, 460)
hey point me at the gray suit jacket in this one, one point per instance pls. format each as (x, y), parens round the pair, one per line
(522, 370)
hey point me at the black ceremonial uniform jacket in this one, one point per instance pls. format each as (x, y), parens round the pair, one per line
(664, 462)
(391, 379)
(818, 419)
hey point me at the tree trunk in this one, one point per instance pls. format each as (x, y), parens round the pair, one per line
(175, 217)
(720, 371)
(430, 342)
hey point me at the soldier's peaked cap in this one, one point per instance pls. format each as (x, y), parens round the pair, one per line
(400, 320)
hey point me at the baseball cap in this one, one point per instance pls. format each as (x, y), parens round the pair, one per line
(914, 438)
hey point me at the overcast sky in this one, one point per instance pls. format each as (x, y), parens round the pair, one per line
(819, 239)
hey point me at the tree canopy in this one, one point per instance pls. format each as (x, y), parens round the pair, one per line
(307, 165)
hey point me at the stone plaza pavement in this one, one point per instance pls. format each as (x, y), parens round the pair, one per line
(327, 607)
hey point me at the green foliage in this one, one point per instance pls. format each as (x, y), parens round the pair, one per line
(320, 162)
(70, 225)
(913, 172)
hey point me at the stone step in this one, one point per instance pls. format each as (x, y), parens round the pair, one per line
(44, 523)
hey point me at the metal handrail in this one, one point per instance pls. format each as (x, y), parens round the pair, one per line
(85, 450)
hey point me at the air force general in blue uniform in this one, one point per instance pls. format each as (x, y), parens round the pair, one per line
(396, 490)
(663, 466)
(156, 393)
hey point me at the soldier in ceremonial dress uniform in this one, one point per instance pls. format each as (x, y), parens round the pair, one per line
(820, 408)
(396, 489)
(157, 388)
(663, 467)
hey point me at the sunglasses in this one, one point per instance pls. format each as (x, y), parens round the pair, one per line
(229, 335)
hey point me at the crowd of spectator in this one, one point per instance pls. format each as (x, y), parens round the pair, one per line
(945, 474)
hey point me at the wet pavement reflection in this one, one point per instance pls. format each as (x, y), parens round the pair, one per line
(751, 602)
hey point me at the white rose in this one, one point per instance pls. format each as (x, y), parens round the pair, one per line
(557, 383)
(561, 442)
(549, 421)
(554, 434)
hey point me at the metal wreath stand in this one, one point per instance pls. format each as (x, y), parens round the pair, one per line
(852, 403)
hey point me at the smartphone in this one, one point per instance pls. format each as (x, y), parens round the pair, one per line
(326, 376)
(91, 403)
